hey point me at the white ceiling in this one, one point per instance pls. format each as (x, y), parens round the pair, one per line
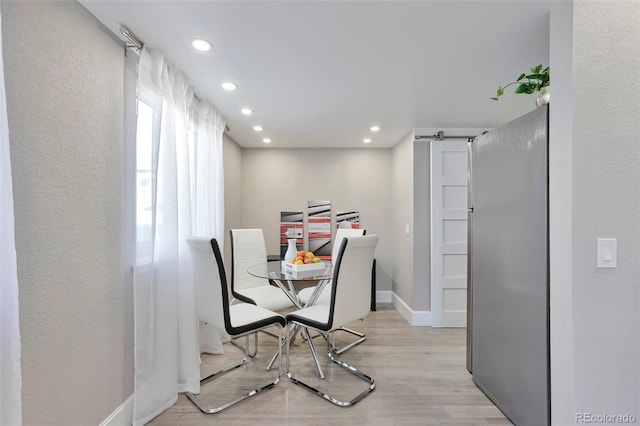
(320, 73)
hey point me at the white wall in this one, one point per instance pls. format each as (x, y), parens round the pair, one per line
(65, 83)
(401, 215)
(560, 211)
(606, 203)
(232, 154)
(275, 180)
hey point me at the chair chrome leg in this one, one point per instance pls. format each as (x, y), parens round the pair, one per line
(314, 354)
(268, 333)
(242, 348)
(343, 349)
(287, 341)
(213, 410)
(355, 333)
(255, 350)
(351, 369)
(291, 334)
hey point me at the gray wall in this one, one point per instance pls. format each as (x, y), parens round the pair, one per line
(275, 180)
(606, 203)
(421, 226)
(64, 80)
(232, 154)
(560, 228)
(402, 214)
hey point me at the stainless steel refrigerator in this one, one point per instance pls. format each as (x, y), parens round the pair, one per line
(508, 268)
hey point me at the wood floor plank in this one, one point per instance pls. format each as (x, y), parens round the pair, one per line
(420, 376)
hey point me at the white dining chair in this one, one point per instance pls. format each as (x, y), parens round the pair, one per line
(350, 300)
(305, 294)
(240, 319)
(248, 249)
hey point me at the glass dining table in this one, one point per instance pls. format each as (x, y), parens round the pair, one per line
(286, 281)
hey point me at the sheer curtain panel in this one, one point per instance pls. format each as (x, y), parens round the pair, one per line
(166, 326)
(208, 203)
(10, 373)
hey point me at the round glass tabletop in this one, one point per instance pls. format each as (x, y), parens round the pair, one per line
(273, 271)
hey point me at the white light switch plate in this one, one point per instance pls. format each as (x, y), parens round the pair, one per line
(406, 229)
(607, 252)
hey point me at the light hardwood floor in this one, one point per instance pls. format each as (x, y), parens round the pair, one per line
(419, 371)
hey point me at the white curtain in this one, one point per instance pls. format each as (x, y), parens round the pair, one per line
(208, 203)
(10, 373)
(186, 173)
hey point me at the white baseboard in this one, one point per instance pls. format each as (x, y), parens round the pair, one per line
(421, 318)
(122, 416)
(415, 318)
(453, 319)
(383, 296)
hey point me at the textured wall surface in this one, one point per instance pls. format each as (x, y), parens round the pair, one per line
(64, 80)
(606, 203)
(275, 180)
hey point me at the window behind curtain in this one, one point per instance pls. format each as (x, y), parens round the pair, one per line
(144, 184)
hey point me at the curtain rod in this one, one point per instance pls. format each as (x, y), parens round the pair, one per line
(137, 45)
(134, 42)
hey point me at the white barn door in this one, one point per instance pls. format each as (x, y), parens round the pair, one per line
(449, 233)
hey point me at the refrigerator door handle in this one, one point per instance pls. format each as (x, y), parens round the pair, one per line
(470, 175)
(469, 255)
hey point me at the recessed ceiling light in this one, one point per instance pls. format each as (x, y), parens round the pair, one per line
(367, 140)
(229, 86)
(266, 140)
(201, 44)
(246, 111)
(375, 128)
(257, 128)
